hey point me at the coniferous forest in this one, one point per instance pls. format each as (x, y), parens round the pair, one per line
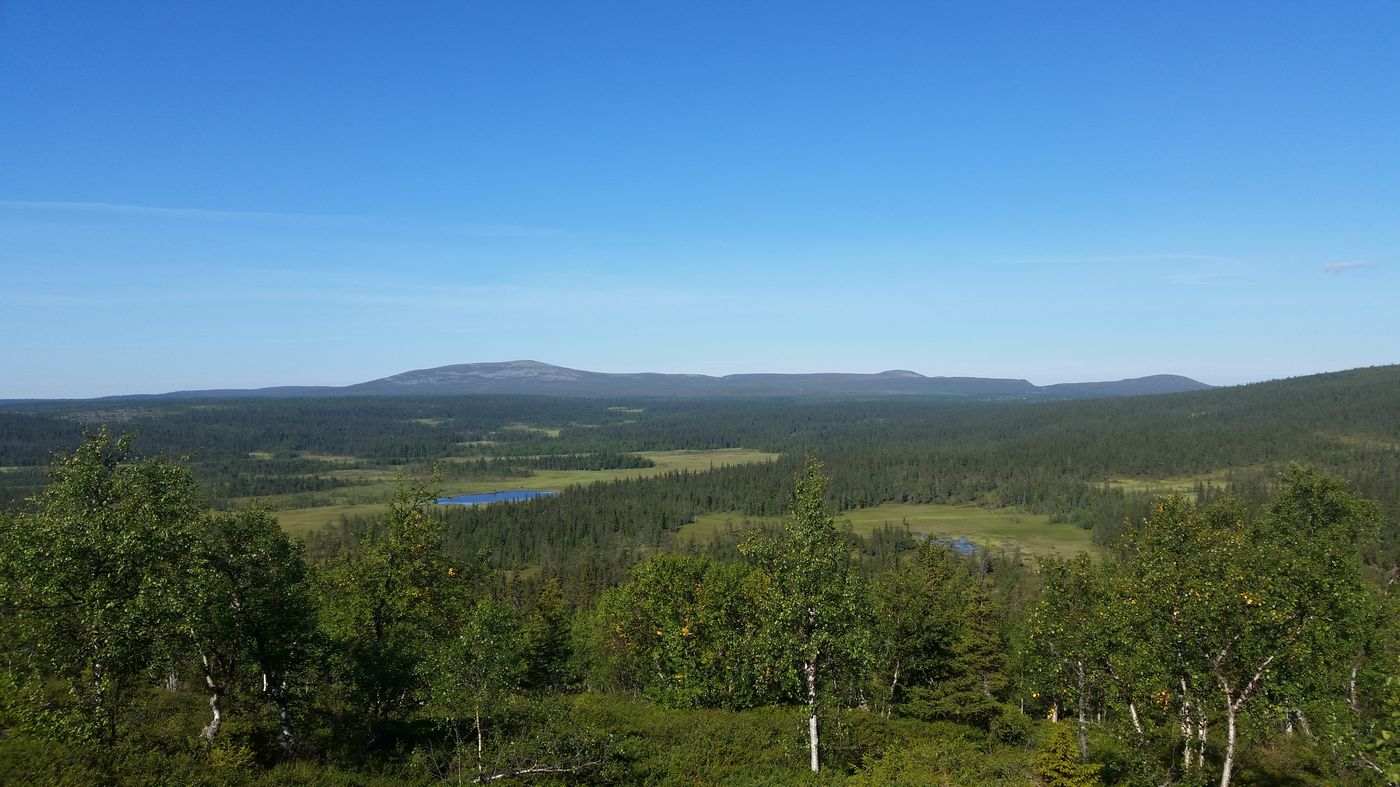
(1233, 620)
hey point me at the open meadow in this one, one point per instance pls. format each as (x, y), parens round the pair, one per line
(1185, 484)
(993, 528)
(299, 513)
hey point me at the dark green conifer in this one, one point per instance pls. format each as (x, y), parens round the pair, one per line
(970, 694)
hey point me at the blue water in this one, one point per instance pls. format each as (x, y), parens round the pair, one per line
(960, 544)
(494, 497)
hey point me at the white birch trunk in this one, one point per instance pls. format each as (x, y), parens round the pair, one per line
(810, 668)
(215, 695)
(1083, 740)
(98, 695)
(894, 685)
(278, 693)
(1229, 766)
(1186, 725)
(1233, 701)
(1202, 730)
(1303, 723)
(480, 770)
(1351, 686)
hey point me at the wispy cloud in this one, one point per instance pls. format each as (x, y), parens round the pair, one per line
(1150, 258)
(1208, 279)
(539, 298)
(117, 208)
(1335, 268)
(449, 228)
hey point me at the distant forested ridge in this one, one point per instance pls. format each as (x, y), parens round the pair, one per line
(541, 379)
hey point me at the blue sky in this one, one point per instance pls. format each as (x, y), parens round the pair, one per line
(262, 194)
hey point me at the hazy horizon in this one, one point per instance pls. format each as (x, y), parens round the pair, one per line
(1040, 383)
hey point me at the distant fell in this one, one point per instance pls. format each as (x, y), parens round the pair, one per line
(534, 377)
(1137, 386)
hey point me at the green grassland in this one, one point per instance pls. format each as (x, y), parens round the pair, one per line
(666, 462)
(1174, 484)
(1366, 441)
(997, 528)
(301, 520)
(547, 431)
(306, 511)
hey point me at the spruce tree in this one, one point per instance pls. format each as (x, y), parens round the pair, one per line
(970, 693)
(1058, 763)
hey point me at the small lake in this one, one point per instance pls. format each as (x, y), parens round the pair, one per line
(494, 497)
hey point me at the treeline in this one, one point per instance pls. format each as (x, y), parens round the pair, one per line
(1225, 637)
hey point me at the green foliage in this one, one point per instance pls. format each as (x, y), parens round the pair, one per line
(1058, 763)
(1080, 641)
(1012, 726)
(686, 631)
(530, 740)
(480, 666)
(250, 607)
(1241, 607)
(916, 617)
(547, 639)
(405, 641)
(971, 692)
(386, 601)
(1382, 751)
(92, 580)
(814, 599)
(473, 673)
(938, 759)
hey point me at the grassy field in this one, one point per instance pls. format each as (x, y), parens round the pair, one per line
(1003, 528)
(301, 520)
(1181, 483)
(370, 497)
(666, 462)
(547, 431)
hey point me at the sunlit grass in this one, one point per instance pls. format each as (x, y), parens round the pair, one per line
(1173, 484)
(302, 520)
(995, 528)
(303, 511)
(549, 431)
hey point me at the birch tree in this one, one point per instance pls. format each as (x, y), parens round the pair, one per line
(476, 669)
(814, 597)
(1249, 602)
(93, 574)
(1068, 634)
(386, 601)
(250, 611)
(688, 632)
